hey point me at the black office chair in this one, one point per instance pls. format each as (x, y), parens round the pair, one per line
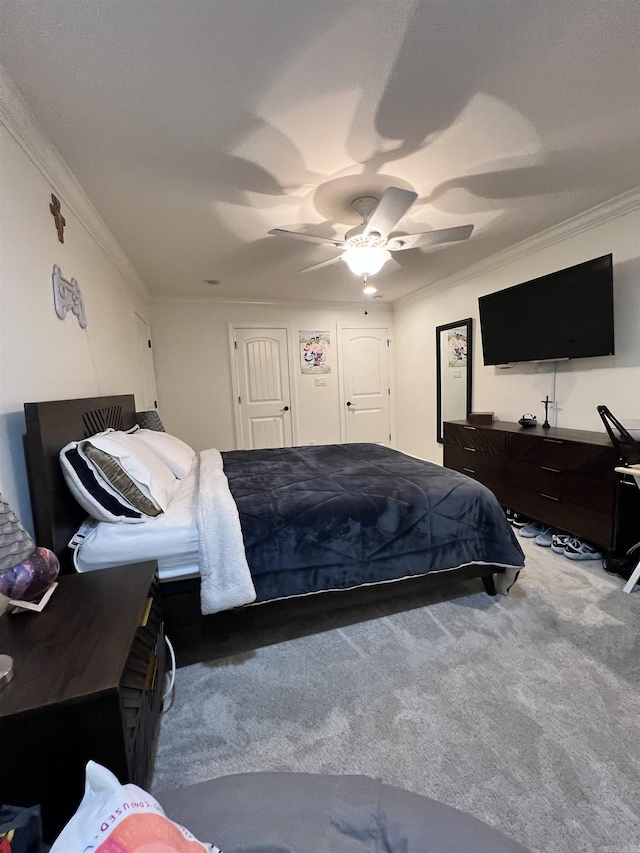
(628, 450)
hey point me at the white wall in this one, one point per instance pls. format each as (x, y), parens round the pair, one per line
(580, 384)
(41, 356)
(193, 366)
(44, 358)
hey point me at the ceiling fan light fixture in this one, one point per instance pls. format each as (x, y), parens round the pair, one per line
(365, 260)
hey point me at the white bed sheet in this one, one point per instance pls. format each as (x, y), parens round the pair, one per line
(171, 538)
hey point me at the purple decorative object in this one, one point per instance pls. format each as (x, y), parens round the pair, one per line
(30, 578)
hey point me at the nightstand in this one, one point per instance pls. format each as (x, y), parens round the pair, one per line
(88, 684)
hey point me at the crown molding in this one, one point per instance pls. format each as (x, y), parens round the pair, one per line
(618, 206)
(20, 122)
(276, 303)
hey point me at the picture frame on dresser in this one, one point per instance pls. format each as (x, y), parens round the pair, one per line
(454, 372)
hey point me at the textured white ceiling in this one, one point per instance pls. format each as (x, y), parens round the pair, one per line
(195, 126)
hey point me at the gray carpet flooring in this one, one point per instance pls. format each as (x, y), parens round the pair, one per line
(521, 710)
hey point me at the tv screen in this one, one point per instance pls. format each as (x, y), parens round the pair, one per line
(566, 314)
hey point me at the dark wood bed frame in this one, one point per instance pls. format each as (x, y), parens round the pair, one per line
(53, 424)
(50, 426)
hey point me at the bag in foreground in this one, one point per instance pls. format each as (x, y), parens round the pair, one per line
(115, 818)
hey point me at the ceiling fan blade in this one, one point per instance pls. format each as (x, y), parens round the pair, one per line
(280, 232)
(323, 264)
(433, 238)
(391, 208)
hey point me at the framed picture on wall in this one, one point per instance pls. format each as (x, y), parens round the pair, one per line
(315, 350)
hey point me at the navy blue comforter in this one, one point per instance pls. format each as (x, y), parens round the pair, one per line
(342, 515)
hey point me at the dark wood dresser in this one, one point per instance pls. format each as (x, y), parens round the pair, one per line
(88, 683)
(562, 477)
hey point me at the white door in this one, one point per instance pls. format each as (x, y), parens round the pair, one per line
(263, 410)
(148, 370)
(364, 359)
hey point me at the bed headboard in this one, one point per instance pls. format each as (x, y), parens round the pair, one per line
(50, 426)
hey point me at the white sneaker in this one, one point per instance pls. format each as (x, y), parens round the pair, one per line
(546, 537)
(559, 542)
(533, 529)
(516, 520)
(576, 549)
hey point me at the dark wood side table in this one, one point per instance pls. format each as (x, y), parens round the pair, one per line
(88, 683)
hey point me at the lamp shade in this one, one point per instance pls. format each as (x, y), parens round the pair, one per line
(365, 260)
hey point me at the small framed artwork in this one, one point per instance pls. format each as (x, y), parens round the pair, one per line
(315, 350)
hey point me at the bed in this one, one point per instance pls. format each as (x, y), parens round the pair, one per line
(307, 519)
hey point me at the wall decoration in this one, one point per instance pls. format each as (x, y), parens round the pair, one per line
(453, 372)
(54, 207)
(314, 352)
(67, 297)
(457, 346)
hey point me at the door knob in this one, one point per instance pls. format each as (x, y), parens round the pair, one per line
(349, 403)
(286, 409)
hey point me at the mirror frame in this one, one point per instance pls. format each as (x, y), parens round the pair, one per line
(467, 325)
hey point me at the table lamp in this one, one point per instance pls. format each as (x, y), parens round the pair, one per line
(26, 572)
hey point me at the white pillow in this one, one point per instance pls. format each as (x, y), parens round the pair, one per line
(124, 818)
(94, 494)
(177, 455)
(139, 462)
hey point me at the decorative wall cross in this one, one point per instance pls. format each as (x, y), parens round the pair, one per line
(54, 207)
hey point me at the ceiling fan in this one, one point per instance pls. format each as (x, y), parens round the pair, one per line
(368, 246)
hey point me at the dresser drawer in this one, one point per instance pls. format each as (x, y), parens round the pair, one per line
(595, 494)
(593, 460)
(589, 524)
(486, 441)
(484, 467)
(573, 488)
(141, 687)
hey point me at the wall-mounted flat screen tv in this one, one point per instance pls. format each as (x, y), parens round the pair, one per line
(566, 314)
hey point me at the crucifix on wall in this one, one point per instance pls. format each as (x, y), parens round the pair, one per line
(54, 207)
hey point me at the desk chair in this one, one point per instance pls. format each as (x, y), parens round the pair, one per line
(632, 471)
(628, 450)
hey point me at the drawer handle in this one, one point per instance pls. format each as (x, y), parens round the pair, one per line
(470, 470)
(553, 440)
(470, 449)
(549, 497)
(553, 470)
(473, 428)
(147, 611)
(152, 670)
